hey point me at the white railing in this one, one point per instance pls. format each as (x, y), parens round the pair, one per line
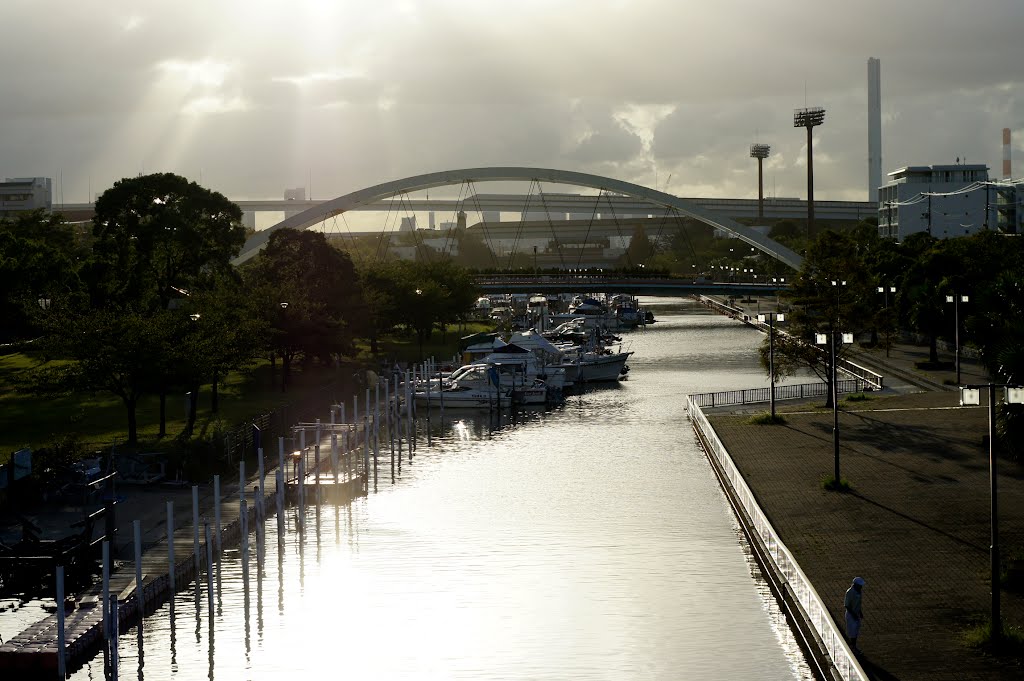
(796, 391)
(814, 610)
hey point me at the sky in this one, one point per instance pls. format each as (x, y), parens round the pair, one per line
(252, 97)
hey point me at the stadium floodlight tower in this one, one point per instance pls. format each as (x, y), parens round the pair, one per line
(809, 118)
(760, 152)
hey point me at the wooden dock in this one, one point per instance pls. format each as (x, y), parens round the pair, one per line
(35, 650)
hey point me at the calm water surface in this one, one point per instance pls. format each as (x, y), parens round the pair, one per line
(589, 542)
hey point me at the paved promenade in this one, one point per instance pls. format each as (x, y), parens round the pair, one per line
(915, 526)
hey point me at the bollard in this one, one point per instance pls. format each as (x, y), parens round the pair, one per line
(106, 589)
(139, 598)
(216, 515)
(170, 550)
(61, 654)
(280, 453)
(209, 569)
(317, 441)
(241, 480)
(302, 439)
(195, 531)
(355, 409)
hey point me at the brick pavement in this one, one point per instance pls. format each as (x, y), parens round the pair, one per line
(916, 525)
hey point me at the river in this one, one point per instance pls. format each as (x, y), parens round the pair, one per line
(588, 542)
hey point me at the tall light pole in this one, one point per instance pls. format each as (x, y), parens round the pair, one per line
(771, 317)
(885, 291)
(760, 152)
(830, 339)
(809, 118)
(956, 300)
(970, 395)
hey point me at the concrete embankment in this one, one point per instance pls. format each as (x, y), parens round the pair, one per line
(915, 525)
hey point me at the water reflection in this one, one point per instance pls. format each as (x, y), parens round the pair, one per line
(589, 541)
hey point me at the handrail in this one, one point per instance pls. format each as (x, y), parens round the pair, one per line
(816, 614)
(794, 391)
(876, 380)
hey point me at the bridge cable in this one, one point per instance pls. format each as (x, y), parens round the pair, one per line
(487, 236)
(618, 230)
(521, 227)
(421, 247)
(449, 240)
(551, 226)
(590, 224)
(380, 240)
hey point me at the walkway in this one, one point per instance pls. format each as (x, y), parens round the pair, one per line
(916, 525)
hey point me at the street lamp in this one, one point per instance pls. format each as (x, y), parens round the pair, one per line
(809, 118)
(771, 318)
(970, 395)
(830, 339)
(956, 300)
(885, 291)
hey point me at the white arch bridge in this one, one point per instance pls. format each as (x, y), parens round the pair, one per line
(363, 197)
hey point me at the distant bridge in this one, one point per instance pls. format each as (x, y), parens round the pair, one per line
(371, 195)
(620, 283)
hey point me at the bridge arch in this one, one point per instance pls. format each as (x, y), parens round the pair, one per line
(362, 197)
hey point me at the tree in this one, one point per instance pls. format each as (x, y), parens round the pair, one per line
(831, 294)
(157, 236)
(40, 259)
(640, 248)
(309, 295)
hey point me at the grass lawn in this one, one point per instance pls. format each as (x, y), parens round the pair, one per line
(100, 420)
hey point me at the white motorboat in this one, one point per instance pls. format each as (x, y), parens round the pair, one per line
(469, 387)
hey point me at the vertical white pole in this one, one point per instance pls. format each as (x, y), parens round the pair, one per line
(139, 599)
(355, 408)
(243, 519)
(366, 447)
(334, 456)
(376, 416)
(302, 439)
(280, 453)
(263, 472)
(216, 514)
(170, 550)
(61, 660)
(280, 505)
(241, 480)
(106, 589)
(115, 632)
(376, 450)
(209, 568)
(317, 441)
(195, 530)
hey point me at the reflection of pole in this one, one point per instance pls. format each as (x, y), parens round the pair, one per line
(997, 624)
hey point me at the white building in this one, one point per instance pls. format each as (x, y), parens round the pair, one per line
(943, 200)
(19, 194)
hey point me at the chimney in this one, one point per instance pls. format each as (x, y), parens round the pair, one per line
(1007, 171)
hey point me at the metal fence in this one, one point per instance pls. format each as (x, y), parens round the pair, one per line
(814, 610)
(782, 392)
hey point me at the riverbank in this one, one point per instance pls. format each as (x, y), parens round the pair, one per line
(915, 525)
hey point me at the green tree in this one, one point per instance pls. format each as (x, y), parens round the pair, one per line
(159, 235)
(640, 247)
(40, 260)
(317, 297)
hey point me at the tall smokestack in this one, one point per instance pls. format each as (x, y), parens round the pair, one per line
(874, 128)
(1007, 170)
